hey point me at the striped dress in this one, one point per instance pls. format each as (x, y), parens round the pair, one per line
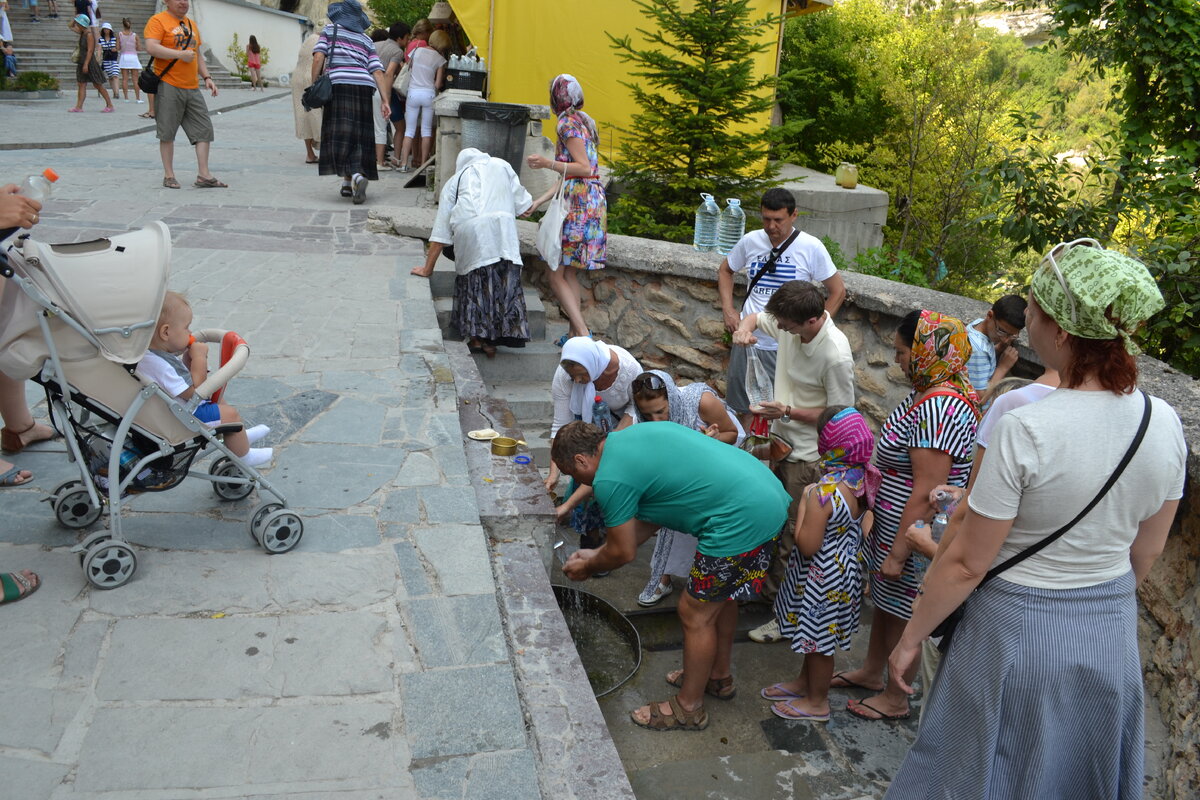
(939, 423)
(819, 602)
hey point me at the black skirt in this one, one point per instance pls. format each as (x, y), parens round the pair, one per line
(348, 133)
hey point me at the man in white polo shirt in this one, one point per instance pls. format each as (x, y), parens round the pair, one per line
(815, 369)
(770, 258)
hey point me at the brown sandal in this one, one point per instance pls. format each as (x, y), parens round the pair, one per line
(720, 688)
(679, 719)
(10, 440)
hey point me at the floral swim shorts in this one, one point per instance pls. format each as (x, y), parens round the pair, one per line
(740, 577)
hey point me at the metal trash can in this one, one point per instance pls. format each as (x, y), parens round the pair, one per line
(497, 129)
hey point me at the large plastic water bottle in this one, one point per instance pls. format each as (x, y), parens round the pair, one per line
(707, 216)
(39, 187)
(731, 225)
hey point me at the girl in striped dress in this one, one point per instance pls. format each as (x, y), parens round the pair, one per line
(109, 57)
(818, 604)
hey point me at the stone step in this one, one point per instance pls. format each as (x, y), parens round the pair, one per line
(535, 361)
(534, 309)
(529, 402)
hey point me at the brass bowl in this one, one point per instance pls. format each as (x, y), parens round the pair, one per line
(504, 446)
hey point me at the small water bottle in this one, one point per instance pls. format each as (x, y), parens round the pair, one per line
(601, 414)
(731, 226)
(39, 187)
(455, 62)
(707, 215)
(945, 503)
(480, 64)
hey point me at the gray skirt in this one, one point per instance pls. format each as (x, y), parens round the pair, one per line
(1040, 696)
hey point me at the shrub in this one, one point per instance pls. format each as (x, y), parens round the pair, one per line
(32, 81)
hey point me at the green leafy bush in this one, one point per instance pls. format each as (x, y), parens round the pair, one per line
(32, 81)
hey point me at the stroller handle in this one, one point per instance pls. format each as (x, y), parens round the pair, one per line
(214, 382)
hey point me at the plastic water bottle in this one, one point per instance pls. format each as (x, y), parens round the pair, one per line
(731, 226)
(39, 187)
(455, 63)
(602, 414)
(945, 503)
(707, 215)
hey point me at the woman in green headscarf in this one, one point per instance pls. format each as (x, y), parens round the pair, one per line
(1040, 693)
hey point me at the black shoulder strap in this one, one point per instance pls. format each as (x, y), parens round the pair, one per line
(1047, 541)
(769, 267)
(167, 68)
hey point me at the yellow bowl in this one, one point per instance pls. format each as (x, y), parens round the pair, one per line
(504, 446)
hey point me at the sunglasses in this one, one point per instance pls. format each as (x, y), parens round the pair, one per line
(648, 381)
(1058, 251)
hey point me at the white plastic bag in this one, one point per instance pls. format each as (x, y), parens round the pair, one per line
(549, 235)
(759, 381)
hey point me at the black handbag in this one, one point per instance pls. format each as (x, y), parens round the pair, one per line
(947, 626)
(148, 80)
(320, 92)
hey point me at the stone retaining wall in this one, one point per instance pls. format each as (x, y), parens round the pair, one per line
(659, 300)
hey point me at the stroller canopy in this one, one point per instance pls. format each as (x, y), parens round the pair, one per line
(112, 287)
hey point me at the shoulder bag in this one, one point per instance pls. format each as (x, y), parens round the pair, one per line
(404, 78)
(549, 234)
(769, 267)
(148, 80)
(320, 92)
(947, 626)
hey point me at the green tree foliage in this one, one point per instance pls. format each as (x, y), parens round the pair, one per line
(387, 12)
(1140, 191)
(694, 84)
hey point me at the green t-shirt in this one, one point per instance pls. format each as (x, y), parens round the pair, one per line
(679, 478)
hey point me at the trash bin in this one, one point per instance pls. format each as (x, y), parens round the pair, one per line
(497, 129)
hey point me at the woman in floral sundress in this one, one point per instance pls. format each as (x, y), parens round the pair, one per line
(585, 230)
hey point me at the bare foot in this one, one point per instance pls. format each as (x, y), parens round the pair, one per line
(37, 433)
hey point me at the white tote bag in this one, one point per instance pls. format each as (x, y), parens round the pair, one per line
(549, 235)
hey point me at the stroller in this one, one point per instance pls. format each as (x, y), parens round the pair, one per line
(77, 318)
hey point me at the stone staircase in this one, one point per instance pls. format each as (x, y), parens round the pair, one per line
(46, 46)
(521, 376)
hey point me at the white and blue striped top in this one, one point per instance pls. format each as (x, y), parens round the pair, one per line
(354, 58)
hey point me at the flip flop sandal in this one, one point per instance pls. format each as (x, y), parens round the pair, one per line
(209, 183)
(853, 709)
(786, 710)
(17, 586)
(679, 720)
(9, 479)
(720, 688)
(170, 183)
(846, 683)
(347, 191)
(147, 115)
(784, 694)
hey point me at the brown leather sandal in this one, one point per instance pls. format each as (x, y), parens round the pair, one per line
(10, 440)
(679, 719)
(720, 688)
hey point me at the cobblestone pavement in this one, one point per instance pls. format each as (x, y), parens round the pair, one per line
(368, 663)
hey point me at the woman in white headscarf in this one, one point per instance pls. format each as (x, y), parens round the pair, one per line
(585, 230)
(477, 213)
(590, 371)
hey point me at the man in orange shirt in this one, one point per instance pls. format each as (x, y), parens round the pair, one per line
(174, 42)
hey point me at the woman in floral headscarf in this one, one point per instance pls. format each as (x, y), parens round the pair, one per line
(926, 441)
(1040, 694)
(820, 596)
(585, 231)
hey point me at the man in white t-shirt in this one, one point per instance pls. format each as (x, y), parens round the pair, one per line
(804, 259)
(815, 369)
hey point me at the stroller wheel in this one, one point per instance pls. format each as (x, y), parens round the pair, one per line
(74, 509)
(256, 520)
(225, 468)
(108, 564)
(280, 531)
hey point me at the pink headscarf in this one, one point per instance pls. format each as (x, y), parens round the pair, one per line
(566, 97)
(846, 445)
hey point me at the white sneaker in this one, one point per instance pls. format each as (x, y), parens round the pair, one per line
(767, 633)
(141, 100)
(653, 595)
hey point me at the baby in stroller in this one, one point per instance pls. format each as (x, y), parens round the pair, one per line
(177, 363)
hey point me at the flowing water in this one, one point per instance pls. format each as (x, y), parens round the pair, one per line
(606, 641)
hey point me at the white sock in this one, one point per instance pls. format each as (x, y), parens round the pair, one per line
(345, 181)
(258, 456)
(257, 432)
(357, 177)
